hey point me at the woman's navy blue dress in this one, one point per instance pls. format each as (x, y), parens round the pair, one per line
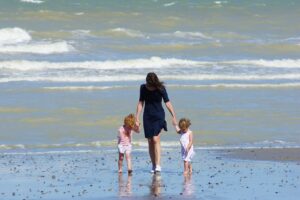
(154, 114)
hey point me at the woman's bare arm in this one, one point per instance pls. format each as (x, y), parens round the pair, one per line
(172, 112)
(177, 128)
(139, 109)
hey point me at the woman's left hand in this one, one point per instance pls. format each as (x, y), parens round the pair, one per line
(137, 123)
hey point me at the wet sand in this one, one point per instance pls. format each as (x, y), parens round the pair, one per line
(93, 175)
(271, 154)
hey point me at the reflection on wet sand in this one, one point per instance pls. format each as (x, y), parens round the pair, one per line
(188, 186)
(156, 185)
(125, 189)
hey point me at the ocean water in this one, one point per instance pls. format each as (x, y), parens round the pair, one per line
(70, 70)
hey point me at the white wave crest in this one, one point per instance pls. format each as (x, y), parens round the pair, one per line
(38, 48)
(169, 4)
(86, 87)
(232, 85)
(292, 39)
(117, 78)
(81, 32)
(231, 77)
(75, 79)
(220, 2)
(191, 35)
(129, 32)
(220, 85)
(283, 63)
(79, 13)
(32, 1)
(13, 36)
(153, 62)
(17, 40)
(16, 146)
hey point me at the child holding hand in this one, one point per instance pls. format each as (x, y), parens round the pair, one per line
(186, 141)
(124, 141)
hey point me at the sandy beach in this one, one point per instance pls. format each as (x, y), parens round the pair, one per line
(92, 174)
(71, 70)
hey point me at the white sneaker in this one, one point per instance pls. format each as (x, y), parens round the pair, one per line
(153, 169)
(158, 168)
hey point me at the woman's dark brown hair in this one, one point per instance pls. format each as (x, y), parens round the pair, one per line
(153, 81)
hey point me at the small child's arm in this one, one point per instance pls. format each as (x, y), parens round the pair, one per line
(136, 128)
(177, 128)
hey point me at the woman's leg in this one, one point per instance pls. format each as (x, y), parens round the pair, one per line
(157, 149)
(151, 151)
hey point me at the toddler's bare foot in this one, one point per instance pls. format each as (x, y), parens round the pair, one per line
(120, 171)
(185, 173)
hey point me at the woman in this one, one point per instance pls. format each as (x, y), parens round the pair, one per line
(151, 94)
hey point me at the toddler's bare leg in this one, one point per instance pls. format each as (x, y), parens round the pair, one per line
(190, 168)
(120, 162)
(128, 159)
(186, 167)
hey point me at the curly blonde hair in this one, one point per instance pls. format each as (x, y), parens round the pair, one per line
(184, 123)
(129, 120)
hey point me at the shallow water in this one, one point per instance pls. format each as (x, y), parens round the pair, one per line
(70, 70)
(35, 116)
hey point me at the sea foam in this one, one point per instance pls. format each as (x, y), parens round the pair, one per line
(32, 1)
(17, 40)
(143, 63)
(170, 69)
(139, 145)
(63, 88)
(191, 35)
(39, 48)
(234, 85)
(126, 78)
(153, 62)
(13, 36)
(283, 63)
(129, 32)
(169, 4)
(194, 86)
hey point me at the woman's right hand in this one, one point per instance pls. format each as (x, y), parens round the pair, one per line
(174, 121)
